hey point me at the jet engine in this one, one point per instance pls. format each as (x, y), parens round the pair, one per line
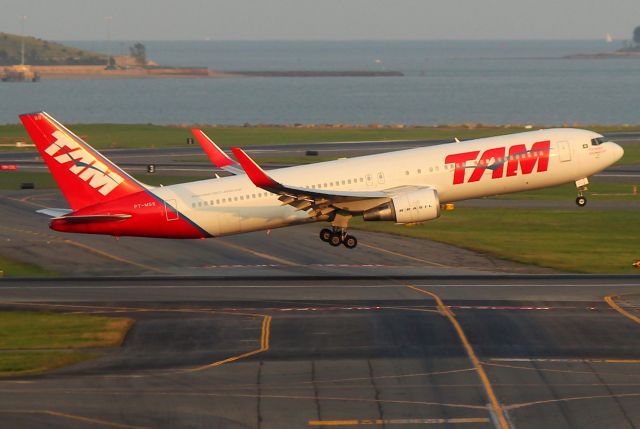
(409, 207)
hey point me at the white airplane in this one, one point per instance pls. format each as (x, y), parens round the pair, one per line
(405, 187)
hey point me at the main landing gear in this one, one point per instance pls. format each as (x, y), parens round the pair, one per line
(581, 184)
(338, 236)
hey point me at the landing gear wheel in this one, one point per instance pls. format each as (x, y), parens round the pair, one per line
(325, 234)
(335, 240)
(350, 242)
(581, 201)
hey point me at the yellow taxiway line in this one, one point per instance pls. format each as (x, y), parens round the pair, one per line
(609, 300)
(497, 409)
(262, 255)
(396, 421)
(75, 417)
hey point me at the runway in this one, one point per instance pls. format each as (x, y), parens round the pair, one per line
(190, 160)
(463, 351)
(290, 251)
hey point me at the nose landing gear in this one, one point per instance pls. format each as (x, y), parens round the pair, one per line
(581, 184)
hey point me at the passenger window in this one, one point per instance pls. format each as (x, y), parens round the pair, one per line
(349, 181)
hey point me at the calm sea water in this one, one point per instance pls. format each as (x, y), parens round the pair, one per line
(445, 82)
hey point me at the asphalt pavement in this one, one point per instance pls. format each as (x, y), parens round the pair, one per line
(333, 351)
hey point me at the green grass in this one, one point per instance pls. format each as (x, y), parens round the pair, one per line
(13, 268)
(31, 342)
(23, 363)
(587, 241)
(147, 135)
(631, 154)
(44, 330)
(44, 180)
(13, 179)
(605, 191)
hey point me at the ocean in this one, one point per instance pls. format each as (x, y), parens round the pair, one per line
(445, 82)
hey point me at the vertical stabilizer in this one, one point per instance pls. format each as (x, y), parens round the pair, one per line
(84, 176)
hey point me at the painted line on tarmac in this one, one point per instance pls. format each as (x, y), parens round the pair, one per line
(112, 256)
(609, 299)
(264, 337)
(380, 249)
(497, 412)
(365, 422)
(90, 420)
(569, 360)
(299, 265)
(264, 346)
(48, 286)
(571, 399)
(257, 253)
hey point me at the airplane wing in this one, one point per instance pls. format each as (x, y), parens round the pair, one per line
(320, 201)
(215, 154)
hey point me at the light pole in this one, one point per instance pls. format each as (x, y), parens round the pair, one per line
(108, 20)
(23, 19)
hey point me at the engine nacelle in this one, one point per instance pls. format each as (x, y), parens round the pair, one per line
(409, 207)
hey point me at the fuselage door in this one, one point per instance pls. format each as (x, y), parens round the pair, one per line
(564, 150)
(369, 179)
(171, 210)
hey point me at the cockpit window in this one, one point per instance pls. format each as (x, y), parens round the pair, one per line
(597, 141)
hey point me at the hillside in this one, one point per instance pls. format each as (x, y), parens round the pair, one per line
(43, 52)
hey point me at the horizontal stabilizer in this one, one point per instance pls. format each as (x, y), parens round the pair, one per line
(92, 218)
(54, 212)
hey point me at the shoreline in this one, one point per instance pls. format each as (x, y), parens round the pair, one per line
(603, 55)
(99, 72)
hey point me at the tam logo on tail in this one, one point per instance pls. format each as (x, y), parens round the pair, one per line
(84, 165)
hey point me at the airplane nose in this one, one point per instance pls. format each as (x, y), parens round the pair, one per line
(616, 151)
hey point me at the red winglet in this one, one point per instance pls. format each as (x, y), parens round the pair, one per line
(253, 170)
(215, 154)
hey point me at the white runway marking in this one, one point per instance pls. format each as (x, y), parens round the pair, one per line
(314, 286)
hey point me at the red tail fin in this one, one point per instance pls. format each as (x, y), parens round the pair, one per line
(84, 175)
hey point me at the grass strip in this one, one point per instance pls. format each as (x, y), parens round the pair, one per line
(12, 268)
(24, 363)
(584, 241)
(23, 330)
(33, 342)
(103, 136)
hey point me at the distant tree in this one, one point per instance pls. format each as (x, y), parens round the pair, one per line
(139, 53)
(111, 62)
(636, 36)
